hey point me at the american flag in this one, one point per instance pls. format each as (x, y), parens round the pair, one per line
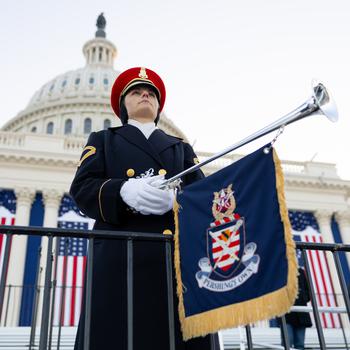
(306, 229)
(7, 217)
(71, 264)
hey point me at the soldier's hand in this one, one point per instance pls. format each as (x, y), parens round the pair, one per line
(141, 195)
(155, 201)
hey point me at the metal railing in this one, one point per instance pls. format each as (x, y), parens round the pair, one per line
(45, 338)
(130, 237)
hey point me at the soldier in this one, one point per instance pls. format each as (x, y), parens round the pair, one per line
(115, 184)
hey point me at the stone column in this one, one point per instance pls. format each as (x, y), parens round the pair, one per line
(104, 55)
(15, 273)
(109, 57)
(343, 220)
(324, 220)
(52, 201)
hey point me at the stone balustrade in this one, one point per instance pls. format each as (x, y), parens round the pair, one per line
(74, 146)
(11, 139)
(312, 169)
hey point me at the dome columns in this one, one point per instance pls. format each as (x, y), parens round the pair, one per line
(99, 51)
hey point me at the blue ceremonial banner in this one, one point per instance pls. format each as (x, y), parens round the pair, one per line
(234, 253)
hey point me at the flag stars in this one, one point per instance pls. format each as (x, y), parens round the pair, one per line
(73, 246)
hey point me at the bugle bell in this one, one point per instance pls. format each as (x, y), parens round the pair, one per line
(320, 102)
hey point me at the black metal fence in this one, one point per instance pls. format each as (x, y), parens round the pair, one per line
(46, 326)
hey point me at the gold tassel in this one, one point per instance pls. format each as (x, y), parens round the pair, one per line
(292, 282)
(276, 303)
(177, 262)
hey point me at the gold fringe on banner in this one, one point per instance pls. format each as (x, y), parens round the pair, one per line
(270, 305)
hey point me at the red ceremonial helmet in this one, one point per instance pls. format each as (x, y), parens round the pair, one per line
(132, 77)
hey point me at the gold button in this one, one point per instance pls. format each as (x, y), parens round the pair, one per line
(162, 172)
(195, 160)
(167, 232)
(130, 172)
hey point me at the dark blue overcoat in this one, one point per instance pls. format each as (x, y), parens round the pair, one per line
(110, 156)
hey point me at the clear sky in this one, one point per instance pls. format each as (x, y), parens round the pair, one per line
(231, 67)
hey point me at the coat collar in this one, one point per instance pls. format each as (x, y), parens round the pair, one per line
(136, 137)
(157, 142)
(161, 141)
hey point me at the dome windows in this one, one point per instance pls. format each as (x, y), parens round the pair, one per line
(49, 128)
(33, 129)
(106, 124)
(68, 126)
(105, 83)
(91, 81)
(64, 83)
(87, 126)
(77, 82)
(51, 88)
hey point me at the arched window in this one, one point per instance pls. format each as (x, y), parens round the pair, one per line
(106, 124)
(68, 126)
(33, 129)
(49, 128)
(87, 126)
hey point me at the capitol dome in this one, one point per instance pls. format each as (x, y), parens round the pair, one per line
(77, 102)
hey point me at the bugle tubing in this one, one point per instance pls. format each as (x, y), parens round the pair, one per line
(320, 102)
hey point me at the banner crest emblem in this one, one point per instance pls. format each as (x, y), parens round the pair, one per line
(226, 234)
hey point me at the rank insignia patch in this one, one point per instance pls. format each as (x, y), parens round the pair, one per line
(232, 230)
(87, 152)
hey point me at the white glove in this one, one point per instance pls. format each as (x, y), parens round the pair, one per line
(152, 200)
(141, 195)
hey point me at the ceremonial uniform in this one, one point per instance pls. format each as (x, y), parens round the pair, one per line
(114, 186)
(110, 158)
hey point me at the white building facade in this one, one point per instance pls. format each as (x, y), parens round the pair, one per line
(39, 151)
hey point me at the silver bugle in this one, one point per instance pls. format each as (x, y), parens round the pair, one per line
(320, 103)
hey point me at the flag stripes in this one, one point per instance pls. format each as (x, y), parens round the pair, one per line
(71, 263)
(322, 281)
(306, 229)
(69, 289)
(9, 219)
